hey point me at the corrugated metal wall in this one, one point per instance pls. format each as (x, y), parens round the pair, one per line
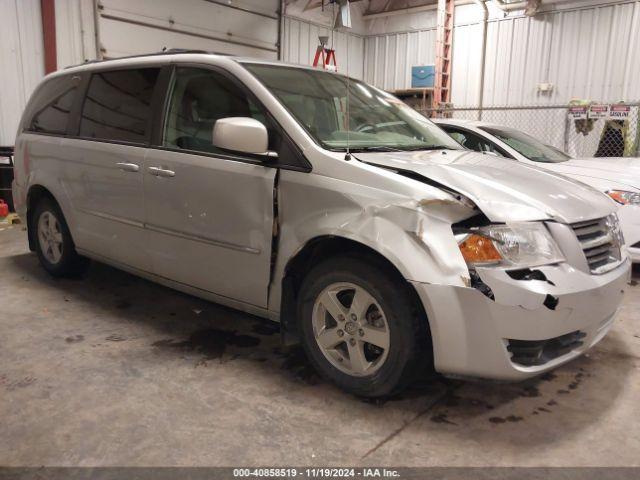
(588, 52)
(300, 39)
(21, 61)
(389, 58)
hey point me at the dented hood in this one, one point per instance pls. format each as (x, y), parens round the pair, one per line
(505, 190)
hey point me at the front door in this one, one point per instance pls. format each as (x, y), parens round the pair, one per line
(209, 213)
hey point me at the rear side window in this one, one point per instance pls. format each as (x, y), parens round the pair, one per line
(51, 106)
(117, 105)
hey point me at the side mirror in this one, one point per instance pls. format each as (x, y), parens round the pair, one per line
(492, 154)
(243, 135)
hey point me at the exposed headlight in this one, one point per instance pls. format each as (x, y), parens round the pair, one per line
(613, 227)
(624, 197)
(512, 245)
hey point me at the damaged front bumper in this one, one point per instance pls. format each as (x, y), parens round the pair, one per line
(531, 325)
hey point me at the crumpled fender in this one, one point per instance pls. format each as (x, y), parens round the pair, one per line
(414, 234)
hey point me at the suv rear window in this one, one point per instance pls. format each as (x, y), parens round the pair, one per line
(51, 106)
(118, 105)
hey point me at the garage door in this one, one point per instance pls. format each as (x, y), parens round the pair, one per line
(247, 27)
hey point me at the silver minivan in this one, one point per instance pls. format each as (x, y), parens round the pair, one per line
(323, 203)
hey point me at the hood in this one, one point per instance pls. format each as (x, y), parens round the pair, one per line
(505, 190)
(625, 171)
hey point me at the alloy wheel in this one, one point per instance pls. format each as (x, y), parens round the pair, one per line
(351, 329)
(50, 237)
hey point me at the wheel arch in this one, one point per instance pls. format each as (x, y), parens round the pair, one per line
(36, 193)
(315, 251)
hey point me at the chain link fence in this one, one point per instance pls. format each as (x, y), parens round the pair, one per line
(552, 124)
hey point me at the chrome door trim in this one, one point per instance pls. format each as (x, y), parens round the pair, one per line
(207, 240)
(114, 218)
(175, 233)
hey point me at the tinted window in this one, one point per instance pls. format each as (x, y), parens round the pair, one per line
(198, 99)
(118, 105)
(473, 141)
(51, 106)
(527, 145)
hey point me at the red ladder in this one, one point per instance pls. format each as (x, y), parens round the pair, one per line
(327, 55)
(444, 50)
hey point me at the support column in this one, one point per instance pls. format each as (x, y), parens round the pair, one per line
(48, 12)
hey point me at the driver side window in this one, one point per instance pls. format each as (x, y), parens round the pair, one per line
(200, 97)
(473, 141)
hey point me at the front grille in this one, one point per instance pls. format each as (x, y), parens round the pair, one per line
(599, 242)
(538, 352)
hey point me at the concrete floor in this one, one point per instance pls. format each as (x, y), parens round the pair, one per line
(114, 370)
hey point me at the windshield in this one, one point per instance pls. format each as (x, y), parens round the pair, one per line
(527, 145)
(376, 120)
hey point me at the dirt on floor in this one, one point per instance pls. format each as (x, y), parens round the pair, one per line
(111, 370)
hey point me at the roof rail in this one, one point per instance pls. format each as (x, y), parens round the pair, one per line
(170, 51)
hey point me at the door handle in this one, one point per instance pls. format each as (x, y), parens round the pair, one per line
(161, 172)
(128, 167)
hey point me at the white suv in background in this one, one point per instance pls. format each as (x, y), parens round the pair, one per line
(376, 240)
(617, 177)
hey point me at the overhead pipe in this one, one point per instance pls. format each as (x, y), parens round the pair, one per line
(408, 10)
(502, 5)
(483, 54)
(399, 11)
(510, 7)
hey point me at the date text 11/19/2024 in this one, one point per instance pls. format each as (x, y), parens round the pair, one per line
(315, 473)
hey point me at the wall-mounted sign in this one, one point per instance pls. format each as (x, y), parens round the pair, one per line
(578, 112)
(598, 111)
(619, 112)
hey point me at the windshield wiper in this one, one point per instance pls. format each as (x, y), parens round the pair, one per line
(429, 147)
(385, 148)
(375, 148)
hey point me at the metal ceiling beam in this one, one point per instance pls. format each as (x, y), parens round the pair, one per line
(243, 9)
(403, 10)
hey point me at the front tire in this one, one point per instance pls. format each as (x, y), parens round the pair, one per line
(54, 245)
(361, 326)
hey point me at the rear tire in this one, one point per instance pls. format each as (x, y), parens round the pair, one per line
(54, 245)
(362, 328)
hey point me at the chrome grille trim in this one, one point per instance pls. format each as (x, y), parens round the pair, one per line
(588, 230)
(595, 242)
(598, 242)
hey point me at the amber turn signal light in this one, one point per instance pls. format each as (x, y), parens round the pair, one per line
(618, 197)
(479, 249)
